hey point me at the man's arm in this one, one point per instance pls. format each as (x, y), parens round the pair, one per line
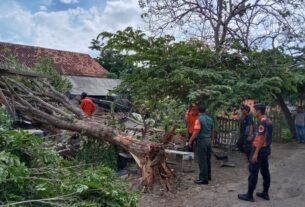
(193, 137)
(250, 133)
(196, 131)
(258, 148)
(261, 135)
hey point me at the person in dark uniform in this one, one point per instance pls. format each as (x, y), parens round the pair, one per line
(259, 156)
(204, 134)
(244, 143)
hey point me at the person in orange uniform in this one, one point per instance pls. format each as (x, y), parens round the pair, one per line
(87, 104)
(259, 156)
(191, 116)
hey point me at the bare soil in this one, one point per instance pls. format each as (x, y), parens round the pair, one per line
(287, 166)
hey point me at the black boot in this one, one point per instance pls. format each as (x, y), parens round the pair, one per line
(263, 195)
(201, 182)
(246, 197)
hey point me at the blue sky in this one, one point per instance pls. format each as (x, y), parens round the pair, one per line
(65, 24)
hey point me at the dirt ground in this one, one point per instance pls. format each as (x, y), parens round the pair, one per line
(287, 166)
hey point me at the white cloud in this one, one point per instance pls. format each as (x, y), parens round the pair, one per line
(71, 29)
(69, 1)
(15, 23)
(43, 8)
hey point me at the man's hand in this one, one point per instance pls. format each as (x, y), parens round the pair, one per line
(190, 144)
(254, 158)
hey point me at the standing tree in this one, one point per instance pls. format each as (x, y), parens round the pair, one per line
(271, 76)
(189, 71)
(247, 23)
(185, 71)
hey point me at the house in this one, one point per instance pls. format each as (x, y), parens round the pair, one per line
(83, 71)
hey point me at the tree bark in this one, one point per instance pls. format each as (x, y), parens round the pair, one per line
(287, 114)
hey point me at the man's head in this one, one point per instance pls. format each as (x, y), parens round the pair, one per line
(194, 109)
(201, 108)
(245, 109)
(260, 109)
(83, 95)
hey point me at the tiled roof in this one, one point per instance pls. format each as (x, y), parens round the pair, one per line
(66, 63)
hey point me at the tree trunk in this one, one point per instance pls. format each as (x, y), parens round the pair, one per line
(287, 114)
(150, 156)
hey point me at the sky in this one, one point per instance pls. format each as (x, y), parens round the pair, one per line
(65, 24)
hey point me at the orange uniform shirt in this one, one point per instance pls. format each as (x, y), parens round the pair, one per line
(87, 106)
(197, 125)
(191, 119)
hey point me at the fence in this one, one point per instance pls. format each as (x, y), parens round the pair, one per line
(227, 130)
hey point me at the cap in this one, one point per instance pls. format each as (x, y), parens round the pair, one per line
(260, 106)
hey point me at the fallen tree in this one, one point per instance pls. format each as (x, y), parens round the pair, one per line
(36, 99)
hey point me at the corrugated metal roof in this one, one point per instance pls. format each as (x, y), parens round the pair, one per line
(92, 86)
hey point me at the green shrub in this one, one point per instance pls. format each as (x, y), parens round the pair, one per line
(94, 151)
(29, 170)
(286, 135)
(5, 121)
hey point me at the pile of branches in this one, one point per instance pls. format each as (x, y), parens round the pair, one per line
(35, 99)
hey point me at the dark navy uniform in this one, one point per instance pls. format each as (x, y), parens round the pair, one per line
(262, 163)
(243, 144)
(263, 134)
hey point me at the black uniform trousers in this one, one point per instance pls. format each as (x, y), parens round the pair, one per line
(261, 165)
(203, 151)
(244, 146)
